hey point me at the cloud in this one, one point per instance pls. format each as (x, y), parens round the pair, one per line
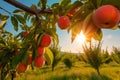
(109, 36)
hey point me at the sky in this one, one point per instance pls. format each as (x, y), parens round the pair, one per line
(110, 37)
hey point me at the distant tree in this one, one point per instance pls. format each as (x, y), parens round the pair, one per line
(57, 56)
(68, 62)
(116, 55)
(92, 56)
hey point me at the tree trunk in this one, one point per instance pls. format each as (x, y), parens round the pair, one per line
(99, 75)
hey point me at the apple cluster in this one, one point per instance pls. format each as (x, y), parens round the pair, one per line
(106, 17)
(39, 60)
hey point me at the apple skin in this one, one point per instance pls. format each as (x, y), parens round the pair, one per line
(25, 33)
(39, 61)
(29, 60)
(22, 67)
(45, 40)
(106, 16)
(63, 22)
(72, 12)
(40, 51)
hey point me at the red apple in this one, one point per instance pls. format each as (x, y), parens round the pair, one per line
(39, 61)
(106, 16)
(25, 33)
(21, 67)
(29, 60)
(40, 50)
(73, 12)
(45, 40)
(63, 22)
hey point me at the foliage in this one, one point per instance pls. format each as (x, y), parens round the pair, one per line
(67, 62)
(43, 21)
(116, 55)
(93, 56)
(57, 56)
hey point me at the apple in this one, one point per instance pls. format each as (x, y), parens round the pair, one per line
(40, 50)
(17, 51)
(29, 60)
(21, 67)
(45, 40)
(39, 61)
(106, 16)
(73, 12)
(25, 33)
(63, 22)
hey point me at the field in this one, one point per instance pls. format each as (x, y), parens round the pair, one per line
(80, 71)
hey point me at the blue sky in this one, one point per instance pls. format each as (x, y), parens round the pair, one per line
(110, 37)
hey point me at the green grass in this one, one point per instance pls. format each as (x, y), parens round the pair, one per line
(80, 71)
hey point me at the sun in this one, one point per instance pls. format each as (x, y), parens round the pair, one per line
(81, 38)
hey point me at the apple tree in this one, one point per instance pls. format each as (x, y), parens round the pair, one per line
(30, 47)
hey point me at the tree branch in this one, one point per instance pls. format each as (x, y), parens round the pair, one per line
(26, 8)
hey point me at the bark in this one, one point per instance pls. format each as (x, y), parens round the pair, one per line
(26, 8)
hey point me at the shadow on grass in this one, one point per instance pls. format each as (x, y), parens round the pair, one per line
(93, 76)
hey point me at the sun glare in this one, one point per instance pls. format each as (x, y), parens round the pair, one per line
(81, 38)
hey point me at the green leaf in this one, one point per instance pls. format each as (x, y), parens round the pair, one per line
(20, 19)
(116, 3)
(2, 42)
(49, 56)
(43, 3)
(14, 22)
(3, 17)
(64, 3)
(75, 5)
(2, 24)
(18, 11)
(19, 57)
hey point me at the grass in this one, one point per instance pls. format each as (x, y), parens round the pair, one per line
(80, 71)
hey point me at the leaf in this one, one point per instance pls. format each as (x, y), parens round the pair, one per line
(18, 11)
(20, 19)
(49, 56)
(112, 2)
(98, 35)
(2, 24)
(18, 57)
(14, 22)
(43, 3)
(75, 5)
(64, 3)
(2, 42)
(76, 29)
(115, 27)
(3, 17)
(89, 27)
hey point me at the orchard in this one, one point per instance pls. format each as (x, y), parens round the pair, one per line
(31, 46)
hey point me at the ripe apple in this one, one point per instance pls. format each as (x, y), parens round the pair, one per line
(40, 50)
(25, 33)
(63, 22)
(21, 67)
(45, 40)
(106, 16)
(39, 61)
(29, 60)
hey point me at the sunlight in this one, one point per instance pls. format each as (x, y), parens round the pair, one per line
(81, 38)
